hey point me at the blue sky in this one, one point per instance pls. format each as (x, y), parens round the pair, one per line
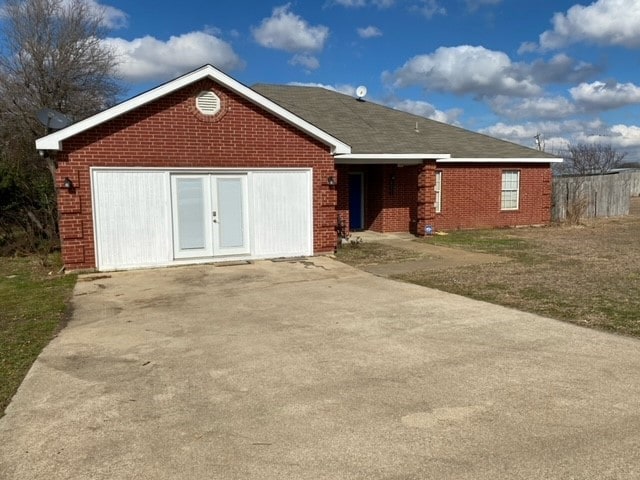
(507, 68)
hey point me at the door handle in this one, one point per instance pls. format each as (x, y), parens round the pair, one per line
(214, 216)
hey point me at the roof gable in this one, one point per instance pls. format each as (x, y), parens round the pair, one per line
(54, 140)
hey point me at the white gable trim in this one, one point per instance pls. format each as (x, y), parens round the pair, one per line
(54, 140)
(500, 160)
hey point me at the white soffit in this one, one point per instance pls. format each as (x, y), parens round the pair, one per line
(54, 140)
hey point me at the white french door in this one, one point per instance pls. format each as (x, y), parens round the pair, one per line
(210, 216)
(229, 214)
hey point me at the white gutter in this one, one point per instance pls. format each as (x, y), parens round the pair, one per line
(386, 158)
(499, 160)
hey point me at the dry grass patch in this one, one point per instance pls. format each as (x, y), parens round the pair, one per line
(587, 274)
(364, 254)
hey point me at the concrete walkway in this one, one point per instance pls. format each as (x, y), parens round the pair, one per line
(315, 370)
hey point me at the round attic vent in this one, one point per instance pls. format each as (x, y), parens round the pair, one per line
(208, 103)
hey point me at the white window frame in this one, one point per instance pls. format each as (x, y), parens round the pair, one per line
(510, 185)
(438, 188)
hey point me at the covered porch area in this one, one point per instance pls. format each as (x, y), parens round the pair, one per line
(386, 193)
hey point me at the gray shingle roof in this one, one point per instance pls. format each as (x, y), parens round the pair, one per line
(372, 128)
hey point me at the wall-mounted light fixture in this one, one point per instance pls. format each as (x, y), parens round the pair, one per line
(331, 181)
(68, 184)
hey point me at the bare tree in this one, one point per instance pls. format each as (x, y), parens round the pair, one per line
(592, 158)
(51, 56)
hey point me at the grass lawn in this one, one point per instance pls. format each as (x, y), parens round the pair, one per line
(588, 274)
(33, 310)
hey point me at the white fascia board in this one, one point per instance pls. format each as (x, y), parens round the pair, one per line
(385, 158)
(500, 160)
(54, 140)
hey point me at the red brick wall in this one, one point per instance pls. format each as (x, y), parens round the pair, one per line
(170, 133)
(471, 196)
(398, 199)
(342, 189)
(426, 196)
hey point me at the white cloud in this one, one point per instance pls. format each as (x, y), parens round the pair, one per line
(524, 132)
(605, 96)
(112, 17)
(149, 59)
(425, 109)
(528, 47)
(625, 136)
(308, 61)
(555, 136)
(560, 69)
(539, 107)
(429, 8)
(465, 69)
(364, 3)
(519, 133)
(340, 88)
(369, 32)
(351, 3)
(604, 22)
(558, 135)
(284, 30)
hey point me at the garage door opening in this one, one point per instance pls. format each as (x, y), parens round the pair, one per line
(155, 217)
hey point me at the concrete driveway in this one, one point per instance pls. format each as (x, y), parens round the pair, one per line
(314, 370)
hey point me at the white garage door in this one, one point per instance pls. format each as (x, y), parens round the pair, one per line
(282, 213)
(146, 218)
(132, 218)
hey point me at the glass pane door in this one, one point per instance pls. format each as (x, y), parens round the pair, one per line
(230, 232)
(191, 213)
(210, 216)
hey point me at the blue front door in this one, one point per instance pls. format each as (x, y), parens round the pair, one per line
(356, 204)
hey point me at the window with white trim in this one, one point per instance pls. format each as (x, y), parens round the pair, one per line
(510, 190)
(438, 189)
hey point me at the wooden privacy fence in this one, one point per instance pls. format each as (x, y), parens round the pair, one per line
(591, 196)
(633, 177)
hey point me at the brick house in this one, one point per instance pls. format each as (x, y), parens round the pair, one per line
(204, 168)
